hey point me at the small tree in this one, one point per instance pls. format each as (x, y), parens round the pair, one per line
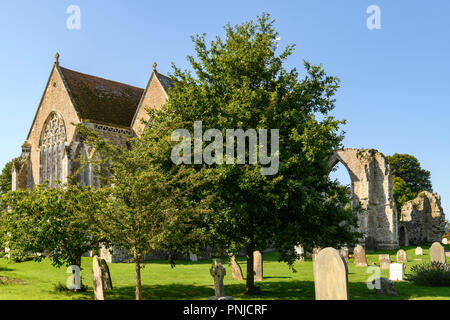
(145, 209)
(409, 178)
(6, 177)
(41, 222)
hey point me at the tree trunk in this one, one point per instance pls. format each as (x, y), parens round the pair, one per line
(137, 264)
(77, 262)
(250, 281)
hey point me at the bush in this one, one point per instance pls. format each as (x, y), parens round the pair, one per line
(432, 274)
(61, 288)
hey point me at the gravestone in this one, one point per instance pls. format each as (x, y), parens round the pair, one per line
(106, 276)
(384, 260)
(330, 275)
(385, 287)
(419, 251)
(401, 256)
(437, 253)
(300, 252)
(97, 279)
(258, 265)
(444, 241)
(359, 254)
(218, 272)
(236, 271)
(344, 252)
(396, 272)
(315, 253)
(193, 257)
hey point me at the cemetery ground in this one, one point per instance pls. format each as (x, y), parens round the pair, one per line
(191, 280)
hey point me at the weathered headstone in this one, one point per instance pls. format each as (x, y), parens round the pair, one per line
(218, 272)
(330, 275)
(437, 253)
(384, 287)
(359, 254)
(97, 278)
(401, 256)
(396, 272)
(300, 252)
(419, 251)
(384, 260)
(236, 271)
(258, 265)
(344, 252)
(444, 241)
(106, 276)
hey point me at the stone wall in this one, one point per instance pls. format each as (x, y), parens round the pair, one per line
(422, 220)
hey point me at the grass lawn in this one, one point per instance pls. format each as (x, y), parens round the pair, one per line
(189, 280)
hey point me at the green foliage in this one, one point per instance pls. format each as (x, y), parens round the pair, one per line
(409, 178)
(41, 223)
(142, 207)
(6, 177)
(402, 193)
(431, 274)
(240, 82)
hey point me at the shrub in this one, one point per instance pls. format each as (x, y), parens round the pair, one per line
(432, 274)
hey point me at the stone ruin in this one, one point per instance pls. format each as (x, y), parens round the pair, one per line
(422, 220)
(372, 196)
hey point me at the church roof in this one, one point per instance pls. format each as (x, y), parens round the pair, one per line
(101, 100)
(165, 81)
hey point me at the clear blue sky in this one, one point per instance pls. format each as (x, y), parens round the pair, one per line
(395, 89)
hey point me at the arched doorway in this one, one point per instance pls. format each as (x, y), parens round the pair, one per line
(403, 236)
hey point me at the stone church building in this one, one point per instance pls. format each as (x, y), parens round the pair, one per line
(113, 109)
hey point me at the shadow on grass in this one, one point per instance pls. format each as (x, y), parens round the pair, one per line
(294, 290)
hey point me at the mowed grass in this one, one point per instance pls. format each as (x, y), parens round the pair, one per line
(189, 280)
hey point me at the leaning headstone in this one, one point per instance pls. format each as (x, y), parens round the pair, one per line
(300, 252)
(385, 287)
(344, 252)
(359, 255)
(396, 272)
(106, 276)
(330, 275)
(419, 251)
(236, 271)
(444, 241)
(97, 278)
(384, 260)
(218, 272)
(258, 265)
(401, 256)
(437, 253)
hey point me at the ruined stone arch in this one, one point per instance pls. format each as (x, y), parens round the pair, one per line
(52, 144)
(372, 195)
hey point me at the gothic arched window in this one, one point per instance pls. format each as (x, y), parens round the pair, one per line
(52, 145)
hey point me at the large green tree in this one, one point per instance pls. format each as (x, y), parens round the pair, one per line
(409, 178)
(240, 82)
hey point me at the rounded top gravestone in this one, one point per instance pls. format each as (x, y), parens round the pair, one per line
(401, 256)
(330, 275)
(437, 253)
(359, 255)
